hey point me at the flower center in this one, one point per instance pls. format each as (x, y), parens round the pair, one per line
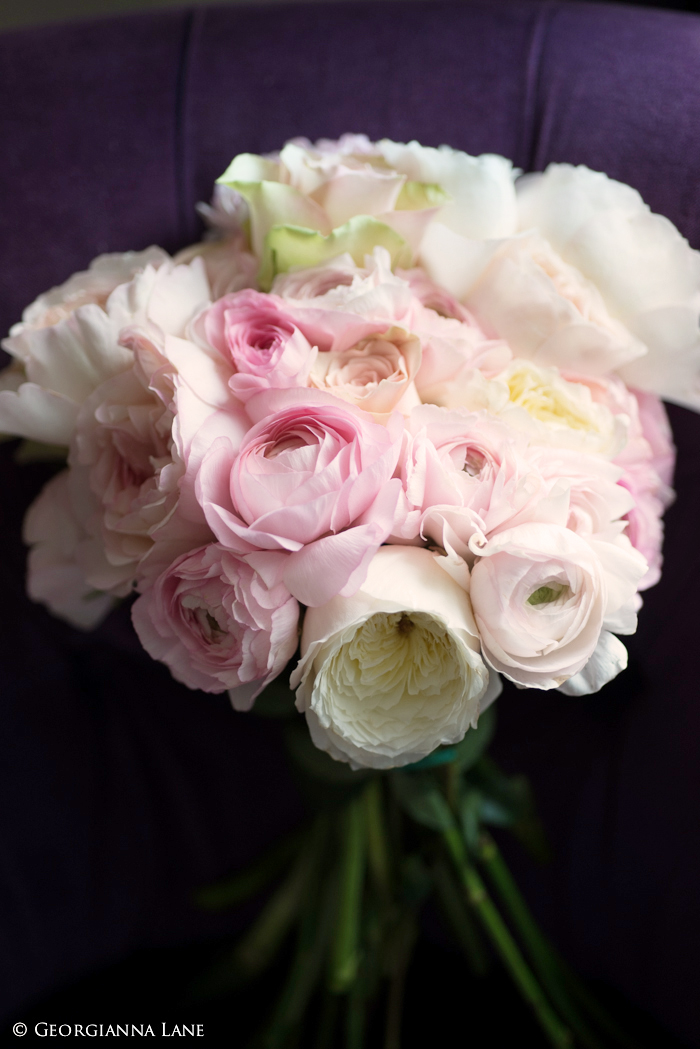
(545, 595)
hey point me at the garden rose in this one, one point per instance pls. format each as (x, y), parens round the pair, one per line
(393, 671)
(643, 268)
(64, 363)
(377, 374)
(54, 529)
(312, 483)
(218, 624)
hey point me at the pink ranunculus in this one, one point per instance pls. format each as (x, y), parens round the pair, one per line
(260, 339)
(468, 474)
(317, 281)
(546, 599)
(218, 624)
(312, 484)
(434, 297)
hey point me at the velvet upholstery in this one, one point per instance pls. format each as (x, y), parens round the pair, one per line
(119, 790)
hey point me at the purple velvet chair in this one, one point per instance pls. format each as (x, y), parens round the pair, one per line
(119, 790)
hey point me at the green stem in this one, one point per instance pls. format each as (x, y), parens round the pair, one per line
(326, 1026)
(497, 931)
(345, 954)
(258, 946)
(541, 953)
(356, 1019)
(243, 884)
(314, 933)
(377, 838)
(403, 948)
(459, 918)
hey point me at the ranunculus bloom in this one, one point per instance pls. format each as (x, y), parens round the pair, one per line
(312, 484)
(392, 672)
(218, 624)
(545, 599)
(261, 341)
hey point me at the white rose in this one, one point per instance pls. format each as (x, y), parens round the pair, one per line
(392, 672)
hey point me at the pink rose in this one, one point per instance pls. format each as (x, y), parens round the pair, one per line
(218, 624)
(312, 484)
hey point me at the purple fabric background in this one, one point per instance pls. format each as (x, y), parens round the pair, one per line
(119, 790)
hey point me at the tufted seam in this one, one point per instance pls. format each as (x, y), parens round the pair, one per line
(529, 139)
(185, 216)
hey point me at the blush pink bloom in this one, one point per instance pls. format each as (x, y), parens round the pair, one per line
(261, 341)
(376, 374)
(312, 485)
(54, 529)
(468, 474)
(646, 463)
(217, 624)
(546, 599)
(648, 472)
(123, 443)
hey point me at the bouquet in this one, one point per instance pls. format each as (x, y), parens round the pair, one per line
(393, 431)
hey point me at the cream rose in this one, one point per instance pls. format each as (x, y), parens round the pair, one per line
(392, 672)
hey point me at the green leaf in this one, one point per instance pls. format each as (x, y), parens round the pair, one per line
(38, 452)
(470, 815)
(474, 744)
(335, 778)
(419, 796)
(288, 246)
(415, 196)
(276, 700)
(441, 756)
(416, 881)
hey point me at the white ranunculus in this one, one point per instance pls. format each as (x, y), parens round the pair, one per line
(646, 272)
(392, 672)
(544, 598)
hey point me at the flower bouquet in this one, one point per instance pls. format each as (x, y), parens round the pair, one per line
(391, 432)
